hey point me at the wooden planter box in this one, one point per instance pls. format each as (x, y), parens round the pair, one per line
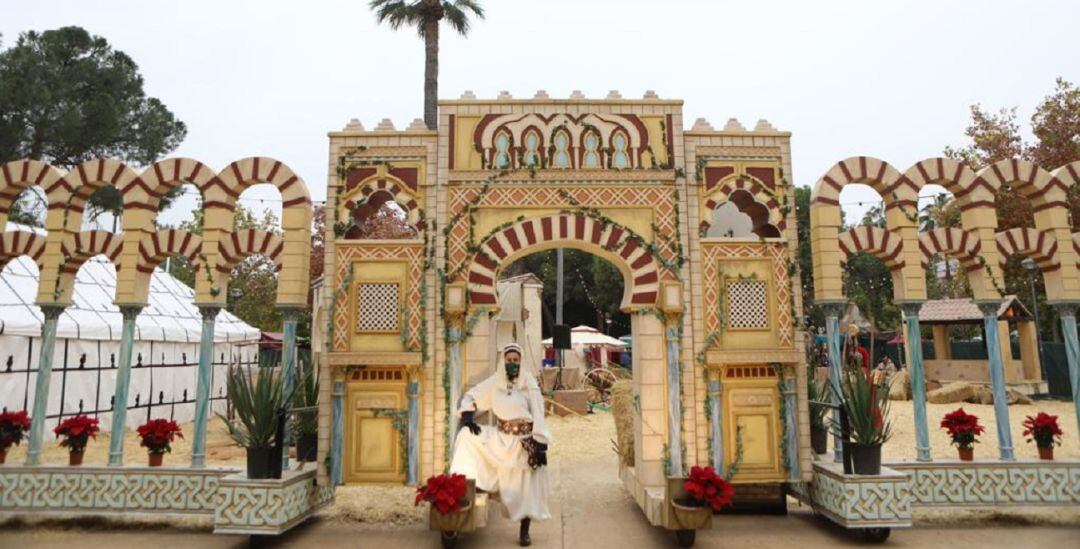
(460, 521)
(683, 517)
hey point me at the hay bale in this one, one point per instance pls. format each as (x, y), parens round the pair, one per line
(900, 386)
(983, 395)
(957, 391)
(932, 385)
(622, 409)
(1012, 396)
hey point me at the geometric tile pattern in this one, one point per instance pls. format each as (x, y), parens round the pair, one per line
(858, 501)
(268, 506)
(748, 304)
(712, 253)
(944, 484)
(98, 490)
(346, 254)
(377, 307)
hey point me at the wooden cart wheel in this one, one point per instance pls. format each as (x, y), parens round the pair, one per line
(449, 539)
(686, 538)
(598, 382)
(876, 535)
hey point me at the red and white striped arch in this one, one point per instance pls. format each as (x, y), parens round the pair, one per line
(223, 191)
(76, 248)
(575, 231)
(18, 243)
(875, 241)
(243, 243)
(756, 190)
(895, 189)
(155, 247)
(956, 177)
(18, 175)
(165, 175)
(1034, 183)
(398, 193)
(951, 242)
(92, 175)
(1040, 246)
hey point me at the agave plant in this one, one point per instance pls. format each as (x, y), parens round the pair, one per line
(305, 395)
(867, 407)
(256, 402)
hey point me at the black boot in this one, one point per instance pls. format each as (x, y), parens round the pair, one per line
(523, 535)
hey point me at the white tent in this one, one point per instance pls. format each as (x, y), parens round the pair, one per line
(587, 336)
(164, 359)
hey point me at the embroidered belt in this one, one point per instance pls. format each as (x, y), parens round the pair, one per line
(515, 426)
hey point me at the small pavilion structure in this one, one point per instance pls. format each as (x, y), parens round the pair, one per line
(1023, 370)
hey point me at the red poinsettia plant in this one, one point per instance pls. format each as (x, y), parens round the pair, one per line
(77, 430)
(157, 435)
(708, 489)
(13, 426)
(446, 493)
(962, 427)
(1043, 429)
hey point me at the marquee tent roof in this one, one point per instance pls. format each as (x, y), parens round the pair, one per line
(589, 337)
(170, 314)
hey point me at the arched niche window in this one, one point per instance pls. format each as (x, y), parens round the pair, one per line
(502, 150)
(561, 143)
(532, 148)
(620, 158)
(591, 143)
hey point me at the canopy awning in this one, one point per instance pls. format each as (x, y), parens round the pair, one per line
(587, 336)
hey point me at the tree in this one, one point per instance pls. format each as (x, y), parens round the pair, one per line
(806, 259)
(67, 97)
(1056, 126)
(425, 16)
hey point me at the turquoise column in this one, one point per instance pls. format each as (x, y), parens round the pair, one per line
(202, 389)
(337, 433)
(289, 318)
(997, 379)
(674, 399)
(453, 395)
(413, 473)
(791, 438)
(123, 382)
(918, 379)
(832, 334)
(41, 389)
(1067, 311)
(716, 424)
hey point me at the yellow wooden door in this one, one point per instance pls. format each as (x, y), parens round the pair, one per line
(373, 451)
(752, 424)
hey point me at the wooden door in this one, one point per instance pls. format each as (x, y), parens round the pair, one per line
(373, 445)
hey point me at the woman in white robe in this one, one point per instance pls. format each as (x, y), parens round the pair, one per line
(502, 458)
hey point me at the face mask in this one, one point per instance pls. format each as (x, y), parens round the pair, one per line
(512, 369)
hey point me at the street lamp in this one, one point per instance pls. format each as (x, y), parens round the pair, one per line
(1029, 265)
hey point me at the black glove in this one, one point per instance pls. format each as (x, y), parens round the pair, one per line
(467, 421)
(537, 452)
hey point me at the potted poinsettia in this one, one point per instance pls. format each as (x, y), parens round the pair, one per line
(1044, 430)
(451, 497)
(963, 428)
(13, 426)
(76, 431)
(157, 436)
(703, 493)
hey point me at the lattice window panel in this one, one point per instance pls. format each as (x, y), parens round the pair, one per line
(377, 307)
(748, 304)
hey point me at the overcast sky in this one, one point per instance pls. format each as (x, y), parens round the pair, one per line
(886, 79)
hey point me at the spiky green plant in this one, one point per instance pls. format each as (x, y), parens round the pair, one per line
(816, 392)
(867, 407)
(306, 395)
(256, 403)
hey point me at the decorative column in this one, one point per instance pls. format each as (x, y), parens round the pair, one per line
(289, 318)
(41, 389)
(1067, 311)
(337, 433)
(412, 474)
(997, 379)
(791, 438)
(453, 389)
(202, 389)
(833, 335)
(123, 380)
(917, 374)
(674, 399)
(716, 424)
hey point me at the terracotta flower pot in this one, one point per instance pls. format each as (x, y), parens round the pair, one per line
(690, 517)
(75, 458)
(156, 459)
(1044, 453)
(966, 454)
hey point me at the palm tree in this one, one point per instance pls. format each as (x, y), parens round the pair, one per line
(425, 16)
